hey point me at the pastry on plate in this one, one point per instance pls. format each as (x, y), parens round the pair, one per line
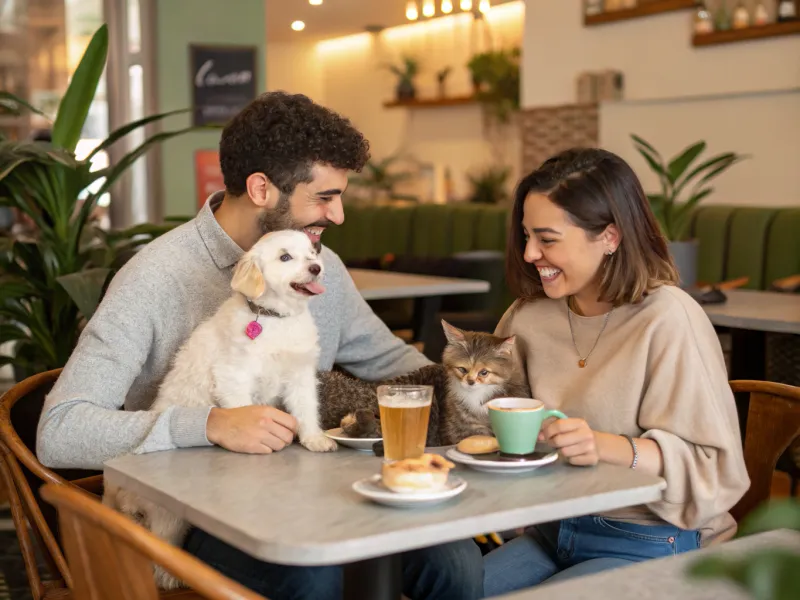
(428, 473)
(478, 444)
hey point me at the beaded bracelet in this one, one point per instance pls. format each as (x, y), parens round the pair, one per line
(635, 451)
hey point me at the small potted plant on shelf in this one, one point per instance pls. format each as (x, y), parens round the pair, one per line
(405, 72)
(672, 211)
(489, 185)
(496, 79)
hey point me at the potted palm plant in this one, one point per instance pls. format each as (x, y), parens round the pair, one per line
(678, 177)
(52, 281)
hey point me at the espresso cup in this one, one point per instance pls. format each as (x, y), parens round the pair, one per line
(516, 423)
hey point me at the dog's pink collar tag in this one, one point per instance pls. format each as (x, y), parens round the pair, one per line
(253, 329)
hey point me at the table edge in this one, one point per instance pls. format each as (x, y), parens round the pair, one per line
(337, 553)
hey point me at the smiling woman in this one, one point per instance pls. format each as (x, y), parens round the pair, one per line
(606, 337)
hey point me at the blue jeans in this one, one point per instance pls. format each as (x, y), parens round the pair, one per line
(448, 572)
(578, 546)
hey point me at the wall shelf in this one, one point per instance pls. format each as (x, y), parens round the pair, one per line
(646, 9)
(430, 102)
(757, 32)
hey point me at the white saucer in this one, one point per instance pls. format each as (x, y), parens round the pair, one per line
(363, 444)
(373, 488)
(493, 465)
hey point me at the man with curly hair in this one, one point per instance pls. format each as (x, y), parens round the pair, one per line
(285, 162)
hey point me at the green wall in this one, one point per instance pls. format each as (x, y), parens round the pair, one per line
(181, 22)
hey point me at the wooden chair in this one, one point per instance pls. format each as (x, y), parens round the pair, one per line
(773, 422)
(36, 521)
(112, 557)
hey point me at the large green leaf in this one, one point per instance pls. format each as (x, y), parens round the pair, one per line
(771, 574)
(118, 134)
(702, 167)
(776, 514)
(679, 164)
(657, 167)
(9, 100)
(74, 106)
(724, 165)
(85, 288)
(10, 333)
(113, 173)
(647, 146)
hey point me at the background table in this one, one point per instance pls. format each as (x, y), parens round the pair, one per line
(297, 508)
(427, 292)
(661, 579)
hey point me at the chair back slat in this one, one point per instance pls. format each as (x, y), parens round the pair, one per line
(111, 556)
(773, 423)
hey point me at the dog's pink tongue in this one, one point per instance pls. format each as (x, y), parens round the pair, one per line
(315, 288)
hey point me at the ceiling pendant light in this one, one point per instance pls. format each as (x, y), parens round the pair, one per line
(411, 11)
(447, 7)
(466, 5)
(428, 8)
(484, 6)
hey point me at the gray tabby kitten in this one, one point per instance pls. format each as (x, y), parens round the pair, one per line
(476, 367)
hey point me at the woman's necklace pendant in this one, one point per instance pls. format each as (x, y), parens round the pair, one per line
(581, 363)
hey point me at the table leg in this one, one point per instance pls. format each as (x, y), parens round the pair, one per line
(748, 362)
(374, 579)
(424, 320)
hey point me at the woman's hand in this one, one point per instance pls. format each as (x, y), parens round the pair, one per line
(573, 438)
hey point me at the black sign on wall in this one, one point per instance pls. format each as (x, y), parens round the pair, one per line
(223, 81)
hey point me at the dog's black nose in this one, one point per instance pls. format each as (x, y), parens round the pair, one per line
(314, 269)
(471, 381)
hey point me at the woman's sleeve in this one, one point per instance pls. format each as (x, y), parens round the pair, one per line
(688, 409)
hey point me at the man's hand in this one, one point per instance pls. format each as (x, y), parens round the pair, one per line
(251, 429)
(573, 438)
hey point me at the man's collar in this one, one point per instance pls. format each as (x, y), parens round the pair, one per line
(223, 250)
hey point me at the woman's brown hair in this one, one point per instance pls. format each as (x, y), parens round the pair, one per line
(596, 188)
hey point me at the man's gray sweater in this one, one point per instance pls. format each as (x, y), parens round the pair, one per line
(151, 307)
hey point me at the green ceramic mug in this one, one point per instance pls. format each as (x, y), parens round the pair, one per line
(516, 423)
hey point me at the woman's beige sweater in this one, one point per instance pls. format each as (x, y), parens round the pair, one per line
(657, 372)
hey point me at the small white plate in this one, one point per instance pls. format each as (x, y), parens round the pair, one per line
(363, 444)
(373, 488)
(489, 463)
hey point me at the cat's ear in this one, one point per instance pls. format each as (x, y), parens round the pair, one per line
(507, 347)
(453, 334)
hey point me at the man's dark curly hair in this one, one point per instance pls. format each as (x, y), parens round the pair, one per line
(282, 136)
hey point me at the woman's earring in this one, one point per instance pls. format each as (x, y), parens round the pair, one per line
(609, 252)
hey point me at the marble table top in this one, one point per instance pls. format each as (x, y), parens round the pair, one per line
(382, 285)
(295, 507)
(662, 579)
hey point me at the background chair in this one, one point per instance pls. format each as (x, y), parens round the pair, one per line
(36, 521)
(773, 423)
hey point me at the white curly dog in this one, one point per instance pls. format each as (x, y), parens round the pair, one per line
(260, 347)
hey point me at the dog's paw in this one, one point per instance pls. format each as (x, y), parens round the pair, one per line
(166, 581)
(319, 443)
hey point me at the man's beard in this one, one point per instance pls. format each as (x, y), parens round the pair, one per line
(280, 218)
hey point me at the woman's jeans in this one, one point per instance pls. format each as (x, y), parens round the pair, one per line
(579, 546)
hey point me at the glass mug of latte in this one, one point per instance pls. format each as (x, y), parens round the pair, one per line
(405, 410)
